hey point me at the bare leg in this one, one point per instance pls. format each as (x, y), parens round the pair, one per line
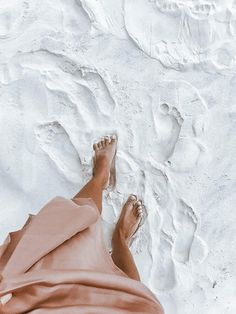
(93, 189)
(129, 219)
(125, 228)
(104, 153)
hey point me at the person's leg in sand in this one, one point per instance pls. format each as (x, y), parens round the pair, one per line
(131, 211)
(104, 153)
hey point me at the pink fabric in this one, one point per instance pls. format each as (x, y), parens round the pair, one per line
(58, 263)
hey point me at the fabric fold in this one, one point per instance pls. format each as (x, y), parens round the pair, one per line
(84, 289)
(58, 263)
(56, 222)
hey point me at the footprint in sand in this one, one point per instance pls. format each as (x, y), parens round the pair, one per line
(192, 32)
(180, 123)
(152, 36)
(98, 88)
(55, 141)
(203, 9)
(91, 101)
(169, 7)
(186, 243)
(163, 272)
(168, 122)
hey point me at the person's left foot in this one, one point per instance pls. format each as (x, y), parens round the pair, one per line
(104, 153)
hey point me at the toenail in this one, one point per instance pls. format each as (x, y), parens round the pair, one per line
(138, 203)
(132, 197)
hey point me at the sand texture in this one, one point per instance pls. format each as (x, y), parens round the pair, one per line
(162, 75)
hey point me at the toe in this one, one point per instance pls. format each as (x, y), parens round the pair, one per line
(99, 144)
(137, 204)
(131, 199)
(95, 146)
(139, 213)
(113, 138)
(103, 142)
(107, 140)
(140, 210)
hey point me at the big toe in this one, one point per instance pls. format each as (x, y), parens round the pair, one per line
(131, 199)
(113, 139)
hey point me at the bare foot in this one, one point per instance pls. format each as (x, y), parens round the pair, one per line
(129, 220)
(104, 154)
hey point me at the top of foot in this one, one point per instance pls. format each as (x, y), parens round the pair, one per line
(105, 151)
(130, 217)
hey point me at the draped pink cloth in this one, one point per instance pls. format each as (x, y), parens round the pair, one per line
(58, 263)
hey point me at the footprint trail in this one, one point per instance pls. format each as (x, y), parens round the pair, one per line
(163, 274)
(187, 224)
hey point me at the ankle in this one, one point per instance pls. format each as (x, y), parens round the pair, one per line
(101, 170)
(118, 237)
(101, 180)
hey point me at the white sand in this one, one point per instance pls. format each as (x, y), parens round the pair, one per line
(162, 75)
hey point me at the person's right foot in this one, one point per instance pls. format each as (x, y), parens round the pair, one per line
(129, 220)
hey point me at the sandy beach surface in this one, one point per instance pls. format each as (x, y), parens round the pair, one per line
(162, 75)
